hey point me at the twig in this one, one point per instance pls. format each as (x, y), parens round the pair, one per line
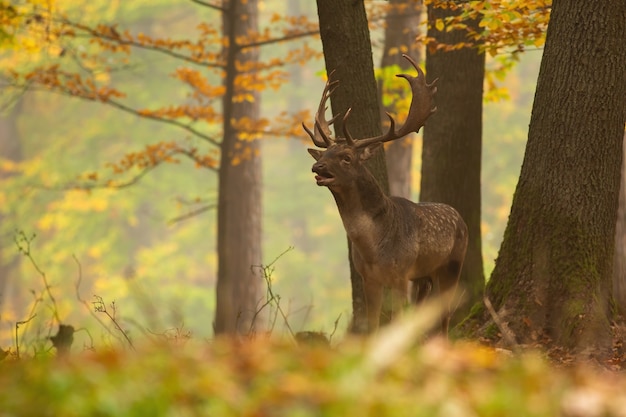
(23, 245)
(507, 333)
(84, 302)
(271, 298)
(191, 214)
(100, 307)
(17, 325)
(330, 337)
(210, 5)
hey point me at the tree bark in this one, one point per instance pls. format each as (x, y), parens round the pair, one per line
(451, 153)
(239, 282)
(619, 258)
(348, 52)
(553, 272)
(401, 29)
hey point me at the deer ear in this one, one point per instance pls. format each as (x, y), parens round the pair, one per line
(370, 150)
(315, 153)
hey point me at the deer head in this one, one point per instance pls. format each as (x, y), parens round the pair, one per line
(341, 162)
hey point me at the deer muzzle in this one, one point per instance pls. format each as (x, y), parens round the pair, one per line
(323, 177)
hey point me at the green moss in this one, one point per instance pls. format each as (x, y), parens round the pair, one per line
(492, 331)
(477, 310)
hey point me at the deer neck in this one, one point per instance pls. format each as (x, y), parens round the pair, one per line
(359, 205)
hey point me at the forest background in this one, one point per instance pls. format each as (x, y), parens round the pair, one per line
(137, 247)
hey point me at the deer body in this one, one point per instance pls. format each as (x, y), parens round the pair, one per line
(395, 243)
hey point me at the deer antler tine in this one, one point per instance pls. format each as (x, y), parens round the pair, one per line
(346, 133)
(313, 138)
(392, 123)
(323, 132)
(321, 135)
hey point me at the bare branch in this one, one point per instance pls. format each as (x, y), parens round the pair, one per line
(91, 33)
(507, 333)
(191, 214)
(130, 110)
(277, 40)
(210, 5)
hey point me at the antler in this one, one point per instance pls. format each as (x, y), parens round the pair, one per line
(421, 108)
(321, 135)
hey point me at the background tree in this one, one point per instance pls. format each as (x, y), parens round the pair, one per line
(401, 28)
(238, 289)
(10, 153)
(553, 272)
(348, 52)
(451, 152)
(619, 259)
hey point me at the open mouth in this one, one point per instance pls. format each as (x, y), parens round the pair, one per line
(323, 178)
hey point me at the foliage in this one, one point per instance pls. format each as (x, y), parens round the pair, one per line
(261, 377)
(505, 24)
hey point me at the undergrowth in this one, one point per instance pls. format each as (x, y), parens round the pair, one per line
(393, 373)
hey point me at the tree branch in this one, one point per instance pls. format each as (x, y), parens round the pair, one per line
(127, 109)
(191, 214)
(91, 33)
(276, 40)
(210, 5)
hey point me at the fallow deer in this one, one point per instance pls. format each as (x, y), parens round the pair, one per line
(395, 242)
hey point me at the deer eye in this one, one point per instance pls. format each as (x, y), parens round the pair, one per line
(347, 159)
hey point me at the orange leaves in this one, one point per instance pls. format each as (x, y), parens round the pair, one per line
(151, 156)
(196, 80)
(155, 154)
(204, 113)
(52, 78)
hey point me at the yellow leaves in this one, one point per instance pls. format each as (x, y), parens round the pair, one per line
(59, 213)
(95, 252)
(398, 50)
(502, 24)
(243, 152)
(240, 98)
(439, 25)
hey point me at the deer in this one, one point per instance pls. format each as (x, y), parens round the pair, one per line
(414, 249)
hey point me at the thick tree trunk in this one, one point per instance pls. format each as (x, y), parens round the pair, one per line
(619, 258)
(348, 51)
(239, 203)
(553, 272)
(401, 29)
(451, 153)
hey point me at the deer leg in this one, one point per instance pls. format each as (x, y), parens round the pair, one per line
(396, 299)
(420, 289)
(447, 281)
(373, 304)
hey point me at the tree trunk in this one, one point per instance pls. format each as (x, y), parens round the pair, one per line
(239, 203)
(401, 29)
(553, 272)
(451, 153)
(619, 258)
(10, 150)
(348, 51)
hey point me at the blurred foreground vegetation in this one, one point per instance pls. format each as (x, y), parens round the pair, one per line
(387, 375)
